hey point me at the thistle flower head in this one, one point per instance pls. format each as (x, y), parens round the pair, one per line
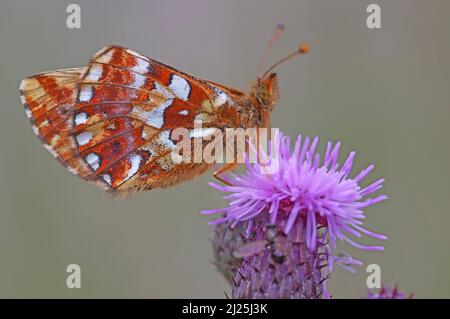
(308, 188)
(269, 263)
(386, 292)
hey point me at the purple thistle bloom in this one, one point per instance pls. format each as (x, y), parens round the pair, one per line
(386, 292)
(226, 242)
(319, 193)
(283, 267)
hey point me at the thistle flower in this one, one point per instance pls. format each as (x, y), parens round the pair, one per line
(386, 292)
(276, 265)
(274, 239)
(306, 189)
(226, 242)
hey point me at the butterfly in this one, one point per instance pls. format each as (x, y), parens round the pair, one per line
(110, 122)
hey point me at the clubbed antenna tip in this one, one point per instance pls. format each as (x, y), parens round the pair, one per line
(303, 48)
(280, 26)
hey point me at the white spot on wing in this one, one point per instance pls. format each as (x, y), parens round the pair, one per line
(22, 84)
(28, 112)
(164, 138)
(93, 160)
(155, 117)
(220, 99)
(107, 178)
(51, 150)
(35, 129)
(22, 99)
(135, 160)
(80, 118)
(144, 134)
(183, 112)
(139, 80)
(95, 73)
(141, 66)
(162, 91)
(84, 138)
(180, 87)
(85, 93)
(72, 170)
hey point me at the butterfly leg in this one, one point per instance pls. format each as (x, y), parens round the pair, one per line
(223, 169)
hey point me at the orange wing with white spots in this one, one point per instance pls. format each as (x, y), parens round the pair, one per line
(49, 100)
(111, 121)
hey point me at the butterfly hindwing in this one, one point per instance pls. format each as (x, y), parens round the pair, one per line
(49, 100)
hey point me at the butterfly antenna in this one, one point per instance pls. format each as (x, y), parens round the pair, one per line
(276, 34)
(302, 49)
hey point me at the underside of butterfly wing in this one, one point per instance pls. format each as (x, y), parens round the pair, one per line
(111, 122)
(126, 109)
(49, 100)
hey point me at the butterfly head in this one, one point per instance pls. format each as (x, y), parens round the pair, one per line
(266, 92)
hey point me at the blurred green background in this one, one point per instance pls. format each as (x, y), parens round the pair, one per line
(384, 93)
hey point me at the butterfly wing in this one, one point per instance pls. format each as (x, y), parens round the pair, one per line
(116, 116)
(231, 92)
(49, 100)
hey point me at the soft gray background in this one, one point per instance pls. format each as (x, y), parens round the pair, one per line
(382, 92)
